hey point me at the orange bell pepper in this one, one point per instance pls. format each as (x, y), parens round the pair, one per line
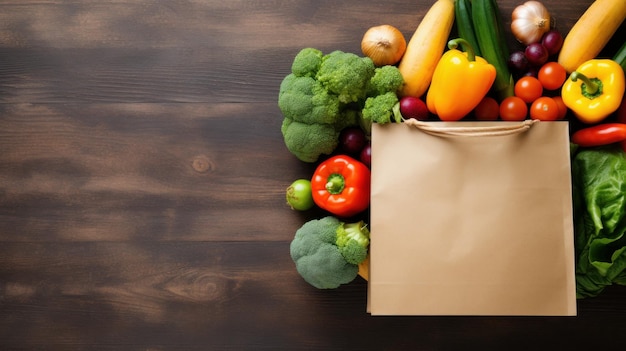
(460, 81)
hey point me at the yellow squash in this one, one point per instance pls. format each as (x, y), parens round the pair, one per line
(425, 48)
(591, 32)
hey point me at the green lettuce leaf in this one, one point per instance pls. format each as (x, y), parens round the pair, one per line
(599, 189)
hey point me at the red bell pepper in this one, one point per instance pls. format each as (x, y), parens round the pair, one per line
(341, 186)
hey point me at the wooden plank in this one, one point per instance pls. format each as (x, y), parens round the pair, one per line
(160, 171)
(210, 295)
(245, 295)
(139, 75)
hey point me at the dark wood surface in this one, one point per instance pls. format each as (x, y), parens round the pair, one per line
(142, 177)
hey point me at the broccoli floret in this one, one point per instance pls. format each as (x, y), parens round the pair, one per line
(305, 100)
(346, 74)
(307, 62)
(308, 141)
(380, 109)
(386, 78)
(353, 240)
(318, 259)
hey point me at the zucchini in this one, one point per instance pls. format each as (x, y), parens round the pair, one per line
(425, 48)
(464, 26)
(591, 32)
(620, 56)
(491, 38)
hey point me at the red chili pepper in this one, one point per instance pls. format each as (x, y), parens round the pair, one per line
(601, 134)
(341, 185)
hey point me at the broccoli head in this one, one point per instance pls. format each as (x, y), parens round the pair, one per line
(308, 141)
(385, 79)
(307, 62)
(346, 74)
(324, 94)
(305, 100)
(318, 258)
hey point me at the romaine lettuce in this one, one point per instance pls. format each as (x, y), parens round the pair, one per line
(599, 189)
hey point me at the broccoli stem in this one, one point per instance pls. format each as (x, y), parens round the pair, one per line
(358, 232)
(366, 125)
(353, 241)
(397, 115)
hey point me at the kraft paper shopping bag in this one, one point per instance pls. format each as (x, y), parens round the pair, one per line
(471, 218)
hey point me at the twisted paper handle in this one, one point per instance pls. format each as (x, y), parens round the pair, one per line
(435, 128)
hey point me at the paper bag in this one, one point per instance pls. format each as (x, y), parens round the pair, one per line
(471, 218)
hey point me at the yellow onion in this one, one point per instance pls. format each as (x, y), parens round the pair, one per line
(530, 21)
(384, 44)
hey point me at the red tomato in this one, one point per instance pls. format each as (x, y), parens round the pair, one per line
(528, 88)
(487, 109)
(513, 108)
(544, 109)
(552, 75)
(601, 134)
(561, 105)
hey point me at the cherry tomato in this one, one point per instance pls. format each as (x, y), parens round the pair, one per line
(487, 109)
(544, 109)
(528, 88)
(299, 195)
(562, 107)
(513, 108)
(601, 134)
(552, 75)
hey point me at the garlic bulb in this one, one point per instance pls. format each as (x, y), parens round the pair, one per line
(384, 44)
(530, 21)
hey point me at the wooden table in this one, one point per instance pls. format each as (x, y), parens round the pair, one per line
(142, 178)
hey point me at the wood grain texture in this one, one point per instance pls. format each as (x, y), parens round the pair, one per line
(142, 177)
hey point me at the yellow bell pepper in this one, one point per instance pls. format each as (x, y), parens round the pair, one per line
(460, 81)
(594, 90)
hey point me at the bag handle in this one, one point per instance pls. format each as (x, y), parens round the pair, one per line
(435, 128)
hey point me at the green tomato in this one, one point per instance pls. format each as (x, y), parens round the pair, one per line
(299, 195)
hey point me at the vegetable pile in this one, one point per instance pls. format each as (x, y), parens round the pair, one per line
(326, 93)
(459, 48)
